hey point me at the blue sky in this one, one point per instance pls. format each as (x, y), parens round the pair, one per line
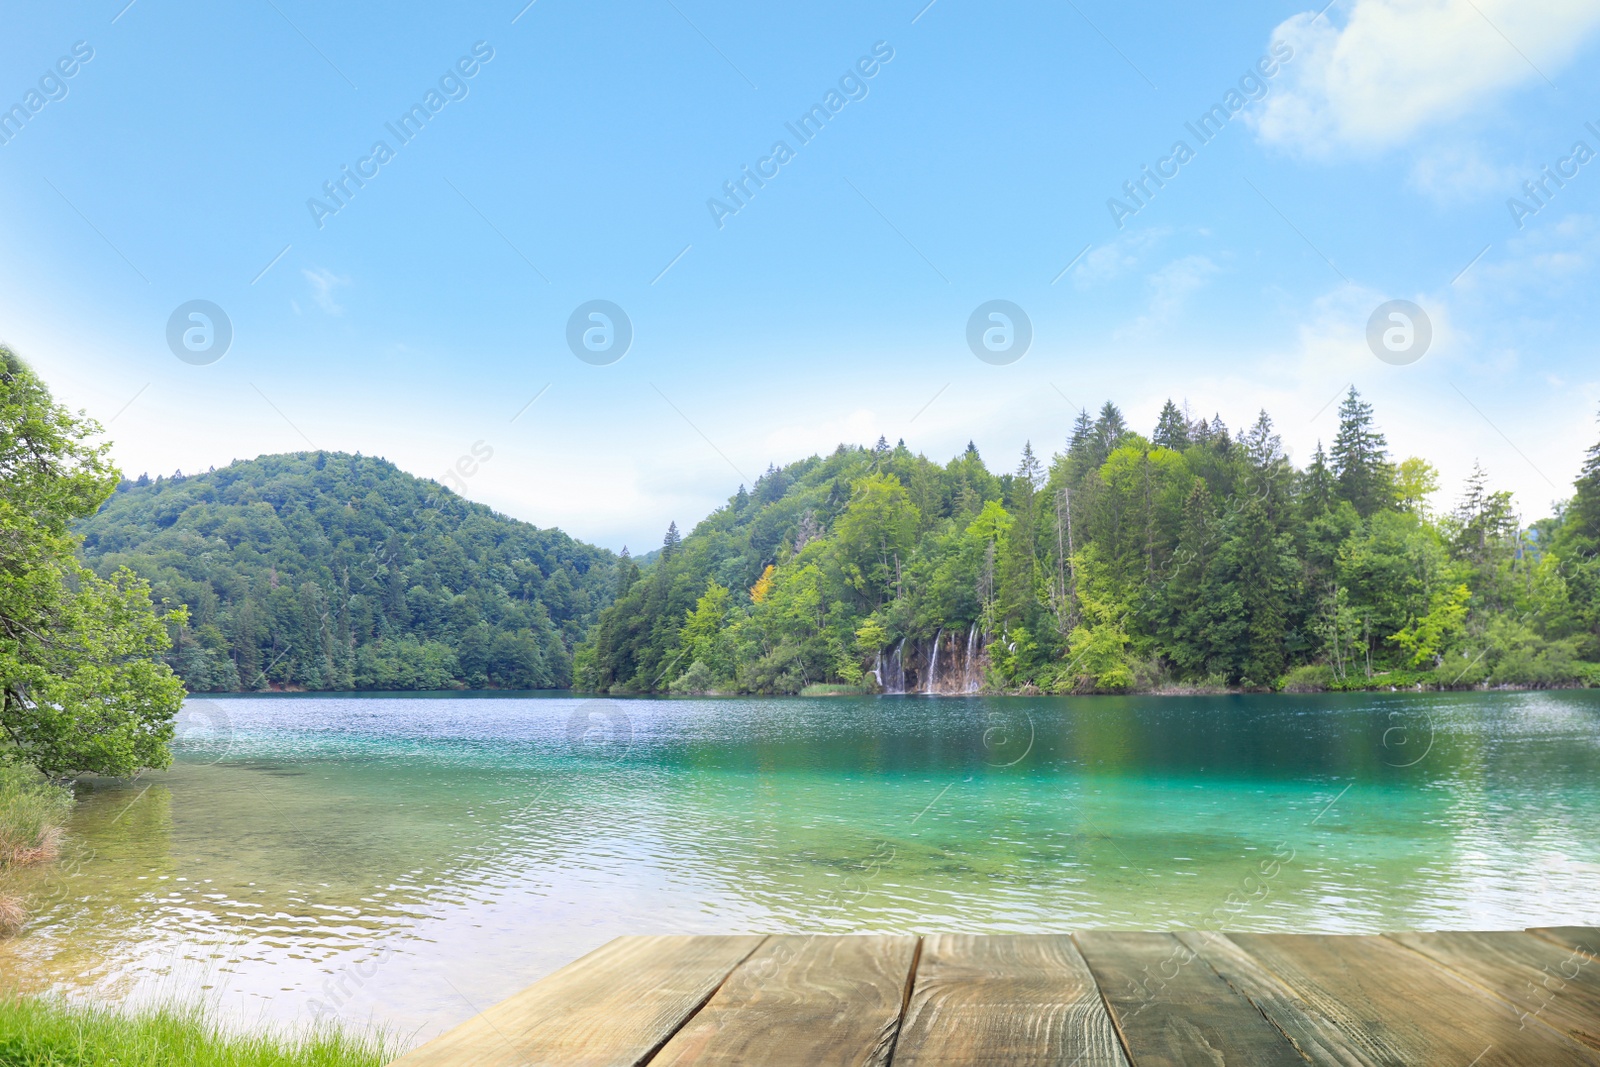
(578, 159)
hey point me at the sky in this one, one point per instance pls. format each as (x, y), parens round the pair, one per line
(399, 219)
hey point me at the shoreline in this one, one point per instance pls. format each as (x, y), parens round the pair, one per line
(826, 690)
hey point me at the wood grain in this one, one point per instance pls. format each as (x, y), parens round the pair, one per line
(1172, 1009)
(1394, 1006)
(612, 1008)
(1016, 1000)
(1551, 983)
(1317, 1037)
(1584, 938)
(805, 1001)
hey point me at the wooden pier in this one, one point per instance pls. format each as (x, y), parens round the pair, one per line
(1082, 1000)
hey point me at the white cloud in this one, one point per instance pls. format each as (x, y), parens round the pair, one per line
(1398, 67)
(1119, 256)
(1461, 174)
(1171, 286)
(323, 283)
(1546, 261)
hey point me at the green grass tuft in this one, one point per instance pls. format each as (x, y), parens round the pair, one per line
(33, 811)
(48, 1032)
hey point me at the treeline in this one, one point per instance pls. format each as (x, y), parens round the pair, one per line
(330, 571)
(1196, 555)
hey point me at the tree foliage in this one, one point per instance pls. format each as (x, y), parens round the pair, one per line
(1194, 556)
(322, 570)
(82, 685)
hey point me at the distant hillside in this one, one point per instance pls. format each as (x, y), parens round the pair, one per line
(330, 571)
(1196, 557)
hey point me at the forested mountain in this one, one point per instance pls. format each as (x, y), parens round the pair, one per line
(1191, 556)
(324, 570)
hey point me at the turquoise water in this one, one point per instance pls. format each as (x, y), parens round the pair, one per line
(411, 860)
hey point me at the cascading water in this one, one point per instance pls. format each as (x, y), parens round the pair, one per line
(967, 678)
(961, 667)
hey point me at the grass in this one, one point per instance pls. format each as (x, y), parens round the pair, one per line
(33, 814)
(33, 811)
(48, 1032)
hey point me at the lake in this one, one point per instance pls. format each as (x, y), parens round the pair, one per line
(413, 859)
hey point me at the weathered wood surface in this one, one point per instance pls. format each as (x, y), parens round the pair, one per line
(1527, 999)
(1172, 1009)
(1018, 1000)
(612, 1008)
(806, 1001)
(1585, 939)
(1318, 1037)
(1394, 1006)
(1543, 979)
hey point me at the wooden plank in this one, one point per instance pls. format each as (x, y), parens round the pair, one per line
(1317, 1037)
(806, 1001)
(1172, 1009)
(1394, 1006)
(1556, 984)
(612, 1008)
(1584, 938)
(1005, 999)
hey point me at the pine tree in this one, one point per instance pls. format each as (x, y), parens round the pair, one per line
(1269, 474)
(1109, 430)
(1172, 429)
(1217, 433)
(1316, 486)
(1360, 458)
(1483, 518)
(1029, 470)
(1020, 566)
(1187, 609)
(670, 543)
(1082, 432)
(627, 573)
(1580, 529)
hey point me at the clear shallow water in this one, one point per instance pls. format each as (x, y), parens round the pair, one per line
(411, 860)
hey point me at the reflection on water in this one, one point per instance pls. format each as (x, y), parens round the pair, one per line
(414, 859)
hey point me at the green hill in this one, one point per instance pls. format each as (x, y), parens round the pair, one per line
(1195, 557)
(331, 571)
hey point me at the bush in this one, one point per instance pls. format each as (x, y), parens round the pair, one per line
(697, 679)
(1312, 678)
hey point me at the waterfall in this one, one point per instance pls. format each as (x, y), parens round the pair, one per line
(966, 667)
(897, 669)
(933, 663)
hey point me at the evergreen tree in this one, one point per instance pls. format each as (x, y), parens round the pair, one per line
(1082, 432)
(627, 574)
(1360, 458)
(1217, 434)
(1580, 520)
(1109, 430)
(1172, 429)
(1020, 565)
(670, 543)
(1187, 608)
(1317, 486)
